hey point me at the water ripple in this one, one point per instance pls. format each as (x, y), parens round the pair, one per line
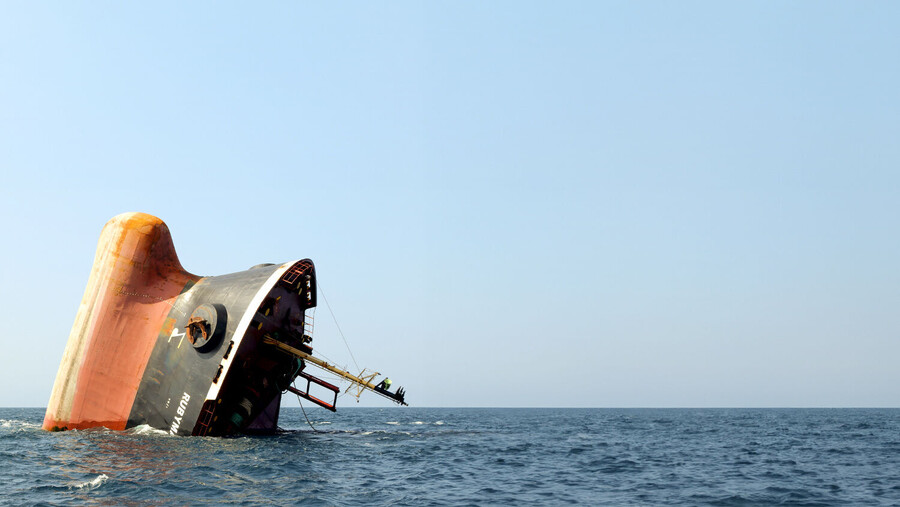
(470, 456)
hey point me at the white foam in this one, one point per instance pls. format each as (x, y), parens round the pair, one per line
(13, 423)
(386, 435)
(418, 422)
(93, 483)
(439, 423)
(392, 422)
(146, 429)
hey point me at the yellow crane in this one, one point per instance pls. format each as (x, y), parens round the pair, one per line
(359, 382)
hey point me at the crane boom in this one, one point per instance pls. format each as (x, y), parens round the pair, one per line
(397, 397)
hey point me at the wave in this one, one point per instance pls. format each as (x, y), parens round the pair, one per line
(146, 429)
(489, 456)
(417, 423)
(93, 483)
(17, 424)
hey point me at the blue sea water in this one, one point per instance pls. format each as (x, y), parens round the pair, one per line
(447, 456)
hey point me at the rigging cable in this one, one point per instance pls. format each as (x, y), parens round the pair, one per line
(337, 378)
(306, 416)
(319, 286)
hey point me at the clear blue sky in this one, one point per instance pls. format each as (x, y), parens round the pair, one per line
(509, 203)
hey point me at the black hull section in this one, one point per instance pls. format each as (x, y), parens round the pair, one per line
(209, 372)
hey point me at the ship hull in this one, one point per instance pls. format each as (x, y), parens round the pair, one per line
(153, 344)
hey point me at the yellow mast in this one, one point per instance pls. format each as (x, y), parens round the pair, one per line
(363, 382)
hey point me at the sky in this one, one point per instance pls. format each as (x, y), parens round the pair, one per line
(549, 204)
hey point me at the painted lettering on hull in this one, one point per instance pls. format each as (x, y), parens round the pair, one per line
(179, 413)
(176, 334)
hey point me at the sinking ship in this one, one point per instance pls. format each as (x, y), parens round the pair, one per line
(153, 344)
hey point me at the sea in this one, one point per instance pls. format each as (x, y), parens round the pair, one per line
(470, 456)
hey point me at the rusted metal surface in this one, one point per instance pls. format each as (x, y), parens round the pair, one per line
(198, 329)
(135, 277)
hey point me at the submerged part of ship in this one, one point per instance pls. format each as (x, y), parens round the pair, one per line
(153, 344)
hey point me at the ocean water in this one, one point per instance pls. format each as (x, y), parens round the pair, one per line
(445, 456)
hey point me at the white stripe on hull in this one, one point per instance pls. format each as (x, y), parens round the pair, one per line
(245, 323)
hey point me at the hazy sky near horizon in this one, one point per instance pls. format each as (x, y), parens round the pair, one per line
(508, 203)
